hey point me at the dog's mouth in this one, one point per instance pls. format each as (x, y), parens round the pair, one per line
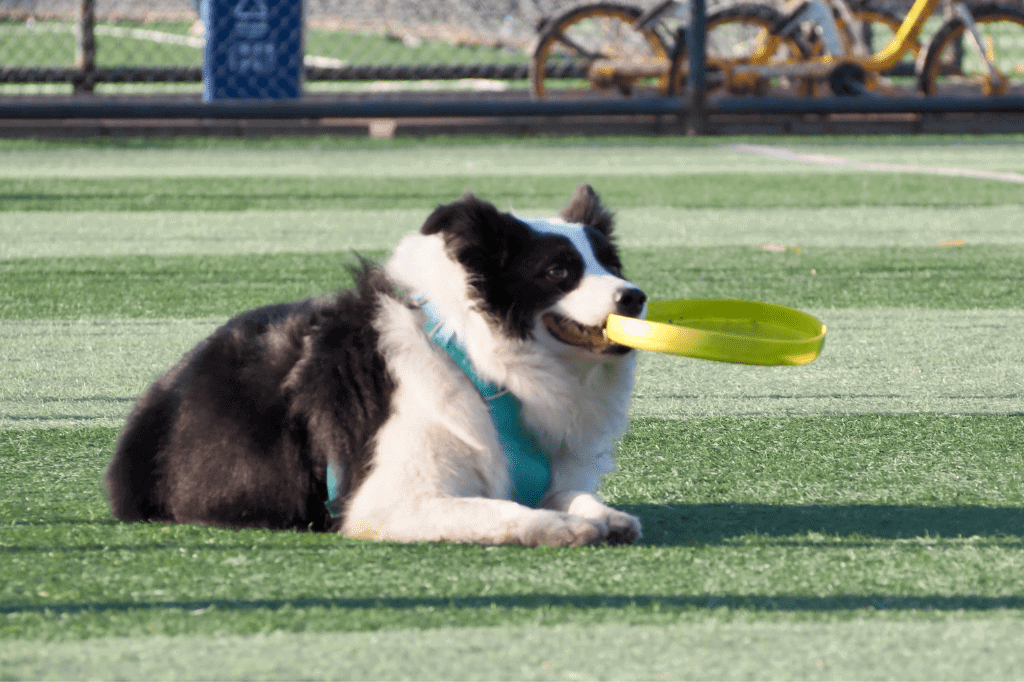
(585, 336)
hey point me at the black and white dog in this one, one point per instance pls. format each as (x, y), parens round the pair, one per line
(465, 393)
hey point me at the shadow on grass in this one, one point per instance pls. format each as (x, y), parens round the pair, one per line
(695, 525)
(703, 524)
(647, 602)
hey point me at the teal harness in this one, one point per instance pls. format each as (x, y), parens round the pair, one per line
(529, 468)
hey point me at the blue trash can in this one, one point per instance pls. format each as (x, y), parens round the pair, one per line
(254, 49)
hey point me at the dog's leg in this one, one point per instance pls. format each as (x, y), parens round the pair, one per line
(623, 528)
(472, 519)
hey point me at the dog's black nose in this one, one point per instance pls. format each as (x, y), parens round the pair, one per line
(630, 302)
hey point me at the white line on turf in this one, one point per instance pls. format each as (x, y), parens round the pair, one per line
(843, 162)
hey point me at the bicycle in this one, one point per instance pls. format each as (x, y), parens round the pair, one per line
(616, 49)
(753, 48)
(993, 64)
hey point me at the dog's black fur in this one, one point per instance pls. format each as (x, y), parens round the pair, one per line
(239, 433)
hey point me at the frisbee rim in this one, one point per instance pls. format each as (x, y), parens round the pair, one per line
(656, 333)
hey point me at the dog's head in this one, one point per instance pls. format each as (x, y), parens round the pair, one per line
(553, 280)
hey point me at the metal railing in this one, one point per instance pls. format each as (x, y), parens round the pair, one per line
(151, 47)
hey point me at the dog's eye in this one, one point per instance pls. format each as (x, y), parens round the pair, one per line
(557, 273)
(615, 270)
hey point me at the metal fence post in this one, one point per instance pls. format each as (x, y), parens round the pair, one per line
(697, 82)
(85, 48)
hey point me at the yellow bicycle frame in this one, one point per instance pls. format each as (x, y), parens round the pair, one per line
(883, 60)
(888, 56)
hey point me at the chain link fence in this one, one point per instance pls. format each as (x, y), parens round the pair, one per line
(131, 47)
(125, 46)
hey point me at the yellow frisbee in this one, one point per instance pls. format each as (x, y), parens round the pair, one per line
(723, 330)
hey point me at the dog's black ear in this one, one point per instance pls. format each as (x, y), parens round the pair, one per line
(475, 232)
(585, 207)
(458, 215)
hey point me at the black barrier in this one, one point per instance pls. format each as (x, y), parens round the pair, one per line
(869, 104)
(465, 107)
(351, 72)
(447, 108)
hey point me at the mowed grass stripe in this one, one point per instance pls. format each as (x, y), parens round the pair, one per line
(387, 160)
(441, 156)
(969, 277)
(713, 651)
(44, 234)
(870, 465)
(166, 286)
(808, 519)
(706, 190)
(47, 234)
(59, 373)
(880, 360)
(875, 361)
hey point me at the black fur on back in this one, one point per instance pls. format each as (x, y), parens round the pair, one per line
(240, 432)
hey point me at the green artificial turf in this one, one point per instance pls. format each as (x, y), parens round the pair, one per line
(686, 191)
(813, 518)
(33, 234)
(39, 234)
(945, 649)
(200, 286)
(856, 518)
(876, 361)
(602, 161)
(956, 146)
(165, 286)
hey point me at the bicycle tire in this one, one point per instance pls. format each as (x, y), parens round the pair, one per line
(733, 36)
(584, 33)
(948, 67)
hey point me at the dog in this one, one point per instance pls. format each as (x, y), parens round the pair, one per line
(463, 392)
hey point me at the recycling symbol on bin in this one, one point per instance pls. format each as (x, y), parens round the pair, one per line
(252, 18)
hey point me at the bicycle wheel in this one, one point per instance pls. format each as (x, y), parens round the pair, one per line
(740, 34)
(594, 50)
(952, 65)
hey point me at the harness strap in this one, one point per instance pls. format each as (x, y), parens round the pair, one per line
(529, 467)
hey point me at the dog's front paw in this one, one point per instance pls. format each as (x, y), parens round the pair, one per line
(565, 530)
(623, 528)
